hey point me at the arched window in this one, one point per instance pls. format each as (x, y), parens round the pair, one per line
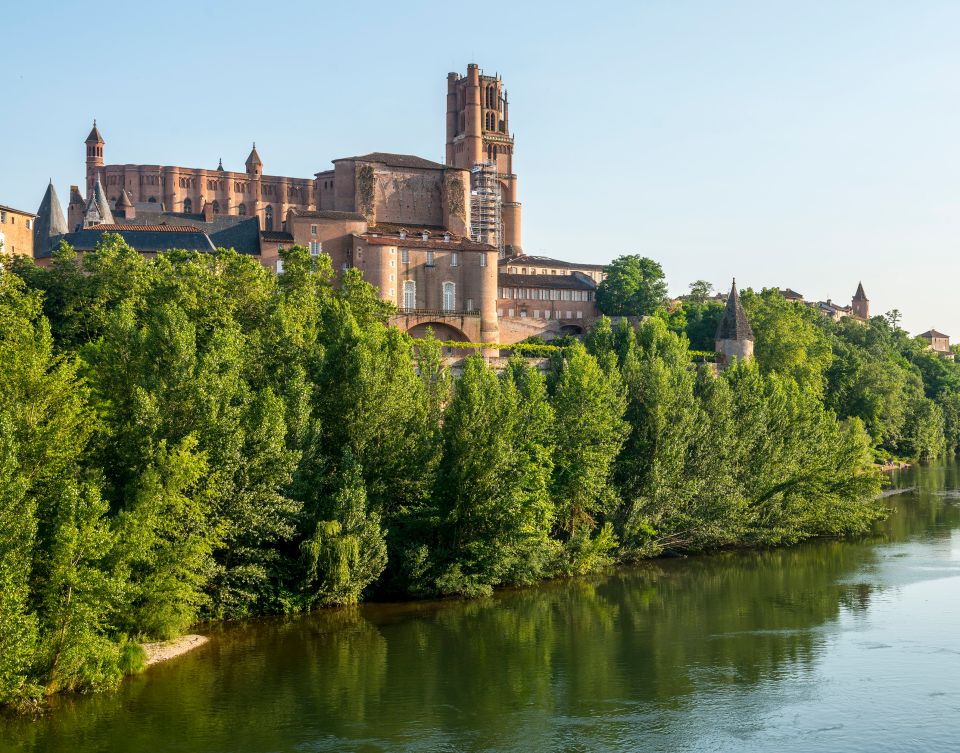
(449, 296)
(152, 199)
(409, 294)
(216, 207)
(242, 210)
(187, 206)
(267, 218)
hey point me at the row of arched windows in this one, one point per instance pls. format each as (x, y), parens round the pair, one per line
(241, 210)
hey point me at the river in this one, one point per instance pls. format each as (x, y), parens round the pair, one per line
(829, 646)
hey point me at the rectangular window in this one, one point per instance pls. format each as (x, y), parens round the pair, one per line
(469, 304)
(454, 259)
(536, 313)
(279, 266)
(313, 230)
(3, 218)
(405, 255)
(429, 258)
(315, 248)
(509, 312)
(566, 295)
(483, 260)
(546, 314)
(579, 314)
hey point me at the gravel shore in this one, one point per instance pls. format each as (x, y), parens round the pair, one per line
(163, 650)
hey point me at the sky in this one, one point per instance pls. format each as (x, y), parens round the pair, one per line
(809, 145)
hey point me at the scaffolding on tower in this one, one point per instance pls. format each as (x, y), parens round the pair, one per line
(486, 221)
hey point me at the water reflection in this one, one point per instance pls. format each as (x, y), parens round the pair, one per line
(655, 657)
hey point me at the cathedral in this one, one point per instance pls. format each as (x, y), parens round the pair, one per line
(440, 241)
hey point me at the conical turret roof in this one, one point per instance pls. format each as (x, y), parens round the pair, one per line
(98, 208)
(254, 158)
(860, 295)
(50, 223)
(124, 202)
(94, 135)
(734, 325)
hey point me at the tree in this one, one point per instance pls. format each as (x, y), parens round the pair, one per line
(589, 404)
(633, 286)
(700, 291)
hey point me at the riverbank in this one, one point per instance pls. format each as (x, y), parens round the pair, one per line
(162, 651)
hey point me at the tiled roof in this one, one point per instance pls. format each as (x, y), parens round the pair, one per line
(434, 243)
(95, 134)
(329, 214)
(5, 208)
(933, 333)
(394, 228)
(555, 282)
(792, 295)
(546, 261)
(395, 160)
(239, 232)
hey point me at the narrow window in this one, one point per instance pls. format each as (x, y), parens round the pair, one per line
(410, 295)
(242, 210)
(429, 258)
(405, 255)
(483, 260)
(216, 206)
(454, 259)
(268, 217)
(315, 247)
(449, 296)
(313, 230)
(279, 266)
(187, 206)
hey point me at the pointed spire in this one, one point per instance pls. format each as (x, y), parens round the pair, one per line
(50, 223)
(94, 137)
(124, 202)
(860, 295)
(734, 325)
(98, 208)
(220, 165)
(253, 161)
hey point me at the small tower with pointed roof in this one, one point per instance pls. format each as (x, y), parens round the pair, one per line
(861, 304)
(124, 207)
(98, 208)
(94, 144)
(734, 335)
(253, 163)
(50, 224)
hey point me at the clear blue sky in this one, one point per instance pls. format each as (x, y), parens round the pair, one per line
(806, 145)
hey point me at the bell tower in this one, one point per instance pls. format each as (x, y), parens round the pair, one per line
(94, 144)
(478, 133)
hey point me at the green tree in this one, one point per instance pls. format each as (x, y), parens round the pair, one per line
(633, 286)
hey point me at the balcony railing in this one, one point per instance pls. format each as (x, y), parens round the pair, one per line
(437, 312)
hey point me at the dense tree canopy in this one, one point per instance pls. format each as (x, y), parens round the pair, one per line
(192, 437)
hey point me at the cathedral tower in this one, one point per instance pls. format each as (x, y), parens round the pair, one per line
(478, 132)
(94, 144)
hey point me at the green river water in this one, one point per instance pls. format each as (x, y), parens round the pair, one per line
(829, 646)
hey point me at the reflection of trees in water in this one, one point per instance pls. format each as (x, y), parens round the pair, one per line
(500, 670)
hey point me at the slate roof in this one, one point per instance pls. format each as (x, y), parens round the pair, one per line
(553, 282)
(253, 159)
(791, 295)
(734, 325)
(546, 261)
(50, 222)
(276, 236)
(98, 208)
(95, 135)
(932, 333)
(860, 295)
(241, 233)
(395, 160)
(144, 239)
